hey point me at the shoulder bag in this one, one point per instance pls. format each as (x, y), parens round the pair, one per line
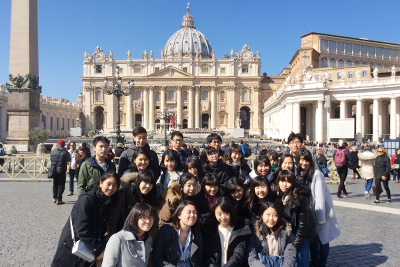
(52, 171)
(80, 249)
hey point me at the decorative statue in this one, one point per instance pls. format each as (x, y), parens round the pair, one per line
(375, 72)
(78, 122)
(213, 54)
(297, 78)
(393, 69)
(151, 53)
(342, 76)
(129, 54)
(111, 54)
(238, 122)
(258, 54)
(85, 55)
(358, 74)
(232, 53)
(145, 54)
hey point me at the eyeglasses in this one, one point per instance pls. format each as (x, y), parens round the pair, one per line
(145, 218)
(177, 140)
(295, 142)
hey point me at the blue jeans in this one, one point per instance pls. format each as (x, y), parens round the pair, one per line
(71, 180)
(319, 252)
(368, 184)
(303, 254)
(395, 174)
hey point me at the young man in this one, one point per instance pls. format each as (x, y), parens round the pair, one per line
(214, 140)
(177, 145)
(295, 143)
(71, 167)
(139, 140)
(59, 158)
(92, 169)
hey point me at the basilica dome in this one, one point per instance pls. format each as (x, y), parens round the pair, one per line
(188, 41)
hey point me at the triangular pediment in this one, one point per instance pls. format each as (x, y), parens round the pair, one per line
(170, 72)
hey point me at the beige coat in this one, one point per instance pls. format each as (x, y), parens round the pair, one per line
(367, 162)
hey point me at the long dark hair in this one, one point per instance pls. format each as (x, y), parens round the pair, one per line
(258, 160)
(253, 199)
(308, 173)
(210, 179)
(136, 153)
(293, 192)
(131, 222)
(230, 188)
(184, 179)
(171, 154)
(234, 149)
(105, 176)
(194, 162)
(227, 206)
(283, 157)
(203, 157)
(147, 177)
(174, 217)
(276, 230)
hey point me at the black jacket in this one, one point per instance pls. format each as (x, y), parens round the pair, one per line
(220, 170)
(166, 251)
(89, 215)
(60, 156)
(346, 153)
(353, 164)
(126, 159)
(322, 161)
(237, 245)
(241, 172)
(202, 203)
(382, 167)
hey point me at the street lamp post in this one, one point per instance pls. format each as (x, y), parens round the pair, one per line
(118, 91)
(165, 116)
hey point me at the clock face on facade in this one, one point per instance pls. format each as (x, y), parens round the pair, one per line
(99, 56)
(246, 55)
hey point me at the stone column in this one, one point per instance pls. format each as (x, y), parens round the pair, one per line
(296, 117)
(179, 106)
(319, 121)
(375, 121)
(232, 111)
(359, 121)
(128, 104)
(393, 122)
(213, 101)
(197, 107)
(190, 107)
(145, 107)
(289, 119)
(163, 104)
(343, 109)
(151, 108)
(381, 119)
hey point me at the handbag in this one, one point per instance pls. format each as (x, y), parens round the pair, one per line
(52, 170)
(325, 170)
(270, 261)
(79, 248)
(374, 190)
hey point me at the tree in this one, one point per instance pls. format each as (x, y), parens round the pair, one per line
(37, 135)
(221, 133)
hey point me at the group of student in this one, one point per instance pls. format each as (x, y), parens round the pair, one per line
(193, 211)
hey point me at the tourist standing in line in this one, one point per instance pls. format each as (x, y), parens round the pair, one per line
(367, 163)
(59, 158)
(71, 167)
(382, 174)
(395, 160)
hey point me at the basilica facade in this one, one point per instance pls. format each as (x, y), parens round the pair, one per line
(197, 89)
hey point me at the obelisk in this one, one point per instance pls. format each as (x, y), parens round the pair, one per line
(23, 87)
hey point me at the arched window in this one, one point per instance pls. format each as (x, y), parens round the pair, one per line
(222, 96)
(185, 96)
(205, 95)
(379, 66)
(324, 62)
(356, 63)
(138, 95)
(348, 63)
(341, 63)
(245, 96)
(99, 95)
(158, 96)
(171, 95)
(332, 62)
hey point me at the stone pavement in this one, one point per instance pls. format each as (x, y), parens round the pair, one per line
(31, 225)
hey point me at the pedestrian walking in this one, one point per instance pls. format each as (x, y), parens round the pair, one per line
(395, 164)
(341, 158)
(71, 167)
(353, 164)
(59, 158)
(366, 160)
(382, 174)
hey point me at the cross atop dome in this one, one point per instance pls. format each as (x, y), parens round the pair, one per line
(188, 19)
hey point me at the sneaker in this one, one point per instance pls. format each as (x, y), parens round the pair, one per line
(339, 197)
(70, 194)
(366, 195)
(60, 202)
(389, 201)
(54, 200)
(345, 195)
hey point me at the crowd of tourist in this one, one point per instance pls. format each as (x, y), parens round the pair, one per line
(188, 210)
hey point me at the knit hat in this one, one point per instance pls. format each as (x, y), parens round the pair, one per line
(61, 143)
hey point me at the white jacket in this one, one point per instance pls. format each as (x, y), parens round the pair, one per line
(367, 163)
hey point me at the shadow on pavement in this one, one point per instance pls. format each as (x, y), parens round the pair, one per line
(356, 255)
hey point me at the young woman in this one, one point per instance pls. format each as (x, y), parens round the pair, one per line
(382, 174)
(234, 190)
(322, 206)
(186, 189)
(180, 242)
(272, 155)
(262, 166)
(171, 167)
(193, 165)
(143, 190)
(272, 235)
(297, 211)
(213, 164)
(210, 191)
(226, 237)
(260, 192)
(140, 161)
(353, 164)
(285, 163)
(321, 159)
(132, 245)
(367, 163)
(88, 215)
(237, 164)
(79, 158)
(395, 160)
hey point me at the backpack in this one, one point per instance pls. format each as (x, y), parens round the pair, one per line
(340, 158)
(247, 150)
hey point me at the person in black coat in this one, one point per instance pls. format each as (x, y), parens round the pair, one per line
(59, 158)
(342, 170)
(382, 174)
(237, 164)
(213, 164)
(89, 216)
(353, 164)
(180, 242)
(226, 237)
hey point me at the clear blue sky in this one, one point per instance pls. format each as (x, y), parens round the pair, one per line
(69, 28)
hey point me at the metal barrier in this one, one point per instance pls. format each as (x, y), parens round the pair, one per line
(333, 175)
(30, 166)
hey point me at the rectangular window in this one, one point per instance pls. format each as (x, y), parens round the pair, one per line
(158, 97)
(157, 107)
(185, 69)
(98, 68)
(222, 70)
(184, 107)
(340, 47)
(185, 97)
(364, 50)
(364, 73)
(371, 51)
(348, 48)
(324, 45)
(350, 74)
(332, 46)
(385, 52)
(156, 69)
(245, 68)
(356, 49)
(393, 53)
(204, 69)
(137, 70)
(339, 75)
(379, 52)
